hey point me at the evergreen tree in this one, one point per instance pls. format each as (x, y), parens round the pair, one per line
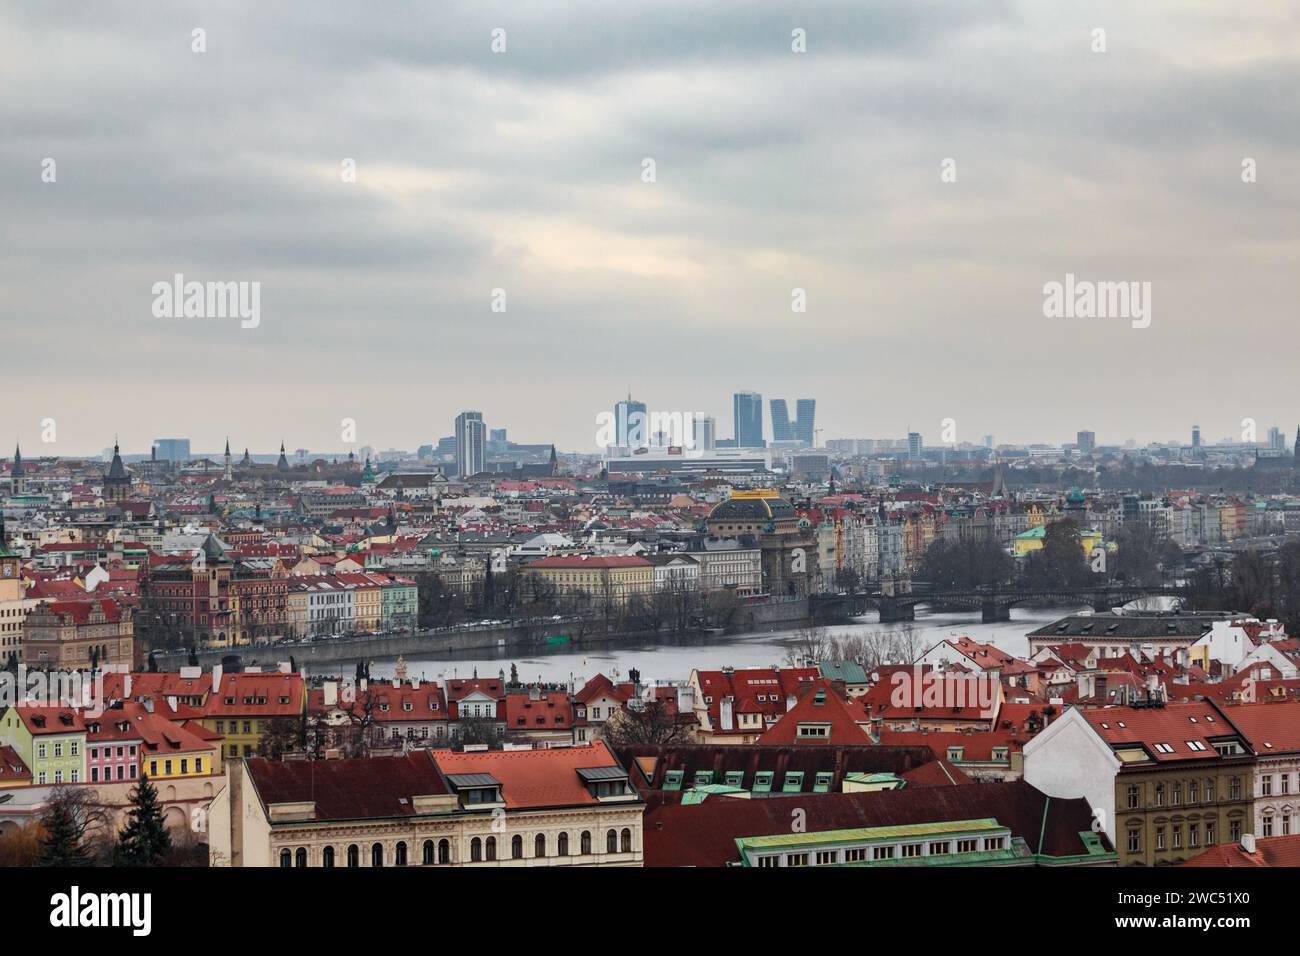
(64, 843)
(144, 841)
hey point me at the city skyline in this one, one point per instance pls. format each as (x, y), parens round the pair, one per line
(522, 171)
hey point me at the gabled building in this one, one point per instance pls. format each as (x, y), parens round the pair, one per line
(737, 706)
(1166, 781)
(523, 808)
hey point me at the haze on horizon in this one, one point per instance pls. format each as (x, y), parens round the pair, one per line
(522, 171)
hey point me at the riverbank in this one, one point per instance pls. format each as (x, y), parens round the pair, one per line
(448, 643)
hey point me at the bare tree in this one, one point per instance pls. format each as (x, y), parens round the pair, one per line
(657, 721)
(809, 646)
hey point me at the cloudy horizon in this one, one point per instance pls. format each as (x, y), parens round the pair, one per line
(523, 171)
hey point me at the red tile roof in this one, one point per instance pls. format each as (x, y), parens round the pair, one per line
(258, 695)
(705, 834)
(12, 769)
(819, 705)
(1269, 728)
(533, 779)
(367, 788)
(773, 685)
(551, 711)
(1269, 851)
(1185, 729)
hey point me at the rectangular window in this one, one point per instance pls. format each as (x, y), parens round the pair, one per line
(882, 852)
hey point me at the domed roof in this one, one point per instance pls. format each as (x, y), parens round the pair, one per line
(753, 506)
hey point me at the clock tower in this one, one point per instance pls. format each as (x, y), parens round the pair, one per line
(11, 586)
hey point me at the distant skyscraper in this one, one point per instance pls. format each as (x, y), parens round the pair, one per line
(1275, 440)
(1087, 441)
(988, 442)
(782, 427)
(914, 445)
(471, 437)
(705, 433)
(630, 424)
(497, 444)
(806, 409)
(173, 449)
(747, 415)
(1196, 438)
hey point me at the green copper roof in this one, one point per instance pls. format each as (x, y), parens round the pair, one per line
(950, 828)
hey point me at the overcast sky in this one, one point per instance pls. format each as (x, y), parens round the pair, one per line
(522, 171)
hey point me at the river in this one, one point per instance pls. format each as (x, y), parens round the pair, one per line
(673, 659)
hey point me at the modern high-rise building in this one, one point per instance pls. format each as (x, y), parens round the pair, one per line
(172, 449)
(1275, 440)
(1196, 438)
(747, 414)
(782, 427)
(471, 441)
(806, 413)
(801, 429)
(705, 432)
(630, 424)
(1087, 442)
(498, 443)
(914, 445)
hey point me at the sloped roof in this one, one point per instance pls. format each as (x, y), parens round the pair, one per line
(705, 834)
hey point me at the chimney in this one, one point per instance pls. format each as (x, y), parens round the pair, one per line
(331, 690)
(216, 680)
(724, 713)
(1102, 685)
(1248, 843)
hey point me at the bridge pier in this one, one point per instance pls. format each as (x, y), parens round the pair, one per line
(991, 612)
(893, 611)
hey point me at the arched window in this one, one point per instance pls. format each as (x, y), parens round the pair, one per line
(627, 840)
(354, 857)
(327, 858)
(563, 845)
(286, 858)
(377, 854)
(300, 857)
(399, 854)
(611, 841)
(491, 848)
(585, 843)
(475, 850)
(539, 845)
(426, 854)
(444, 851)
(516, 847)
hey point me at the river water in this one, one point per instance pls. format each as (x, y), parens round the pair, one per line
(673, 659)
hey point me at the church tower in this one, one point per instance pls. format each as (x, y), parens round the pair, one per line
(229, 474)
(283, 464)
(117, 483)
(18, 474)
